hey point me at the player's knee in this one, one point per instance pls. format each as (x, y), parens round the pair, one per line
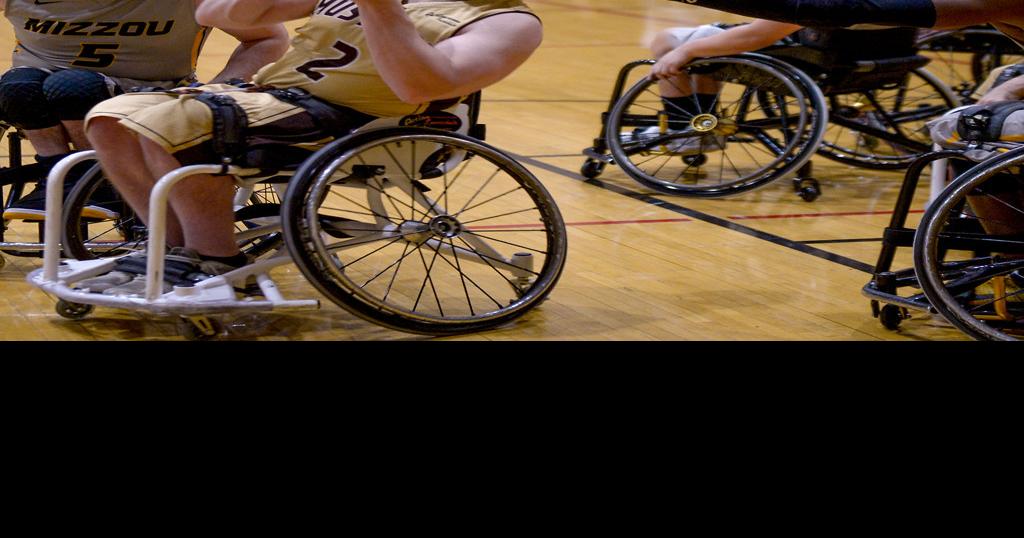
(23, 101)
(103, 130)
(663, 42)
(72, 93)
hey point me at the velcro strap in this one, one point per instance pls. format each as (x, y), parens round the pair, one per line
(229, 124)
(330, 117)
(1009, 73)
(984, 123)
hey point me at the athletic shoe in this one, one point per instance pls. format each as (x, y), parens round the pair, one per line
(182, 267)
(690, 145)
(32, 206)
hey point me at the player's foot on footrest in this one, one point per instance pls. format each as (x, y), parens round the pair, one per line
(182, 267)
(32, 206)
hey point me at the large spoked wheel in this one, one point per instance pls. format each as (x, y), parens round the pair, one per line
(258, 219)
(964, 57)
(765, 123)
(89, 235)
(886, 128)
(968, 251)
(388, 227)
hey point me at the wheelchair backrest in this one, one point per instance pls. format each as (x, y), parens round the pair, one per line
(845, 60)
(851, 45)
(429, 159)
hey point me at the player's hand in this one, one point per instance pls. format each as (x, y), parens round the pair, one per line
(671, 64)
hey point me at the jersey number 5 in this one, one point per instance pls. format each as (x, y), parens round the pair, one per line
(348, 55)
(92, 55)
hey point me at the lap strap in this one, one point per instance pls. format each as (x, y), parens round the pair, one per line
(229, 124)
(329, 116)
(984, 123)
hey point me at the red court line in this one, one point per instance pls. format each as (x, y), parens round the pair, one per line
(641, 221)
(582, 223)
(816, 215)
(733, 217)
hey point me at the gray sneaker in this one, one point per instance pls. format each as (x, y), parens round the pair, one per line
(690, 145)
(125, 269)
(178, 262)
(102, 283)
(182, 267)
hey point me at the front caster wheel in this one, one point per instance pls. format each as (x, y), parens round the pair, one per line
(591, 168)
(891, 316)
(809, 189)
(73, 310)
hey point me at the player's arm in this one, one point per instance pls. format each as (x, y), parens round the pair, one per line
(248, 13)
(1011, 90)
(838, 13)
(481, 54)
(257, 47)
(748, 37)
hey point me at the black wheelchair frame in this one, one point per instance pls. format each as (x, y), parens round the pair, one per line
(953, 255)
(13, 178)
(987, 48)
(822, 76)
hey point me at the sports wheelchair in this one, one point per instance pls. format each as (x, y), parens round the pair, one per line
(965, 265)
(964, 57)
(857, 97)
(13, 179)
(25, 238)
(424, 229)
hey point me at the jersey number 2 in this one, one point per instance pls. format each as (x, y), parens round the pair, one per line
(348, 55)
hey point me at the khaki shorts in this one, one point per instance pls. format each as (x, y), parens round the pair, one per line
(176, 120)
(989, 81)
(685, 34)
(183, 126)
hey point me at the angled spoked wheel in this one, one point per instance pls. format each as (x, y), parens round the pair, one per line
(969, 252)
(767, 121)
(424, 231)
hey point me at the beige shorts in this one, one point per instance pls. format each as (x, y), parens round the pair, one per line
(684, 34)
(989, 81)
(177, 121)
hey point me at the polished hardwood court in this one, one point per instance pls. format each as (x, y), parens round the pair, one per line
(642, 266)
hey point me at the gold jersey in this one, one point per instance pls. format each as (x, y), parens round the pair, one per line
(136, 42)
(330, 59)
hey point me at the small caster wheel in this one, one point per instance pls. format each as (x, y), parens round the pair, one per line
(198, 328)
(891, 316)
(696, 160)
(809, 189)
(73, 310)
(591, 168)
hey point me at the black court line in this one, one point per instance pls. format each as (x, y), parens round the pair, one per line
(827, 241)
(552, 156)
(697, 215)
(500, 100)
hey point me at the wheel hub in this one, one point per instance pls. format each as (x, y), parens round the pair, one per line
(703, 123)
(445, 226)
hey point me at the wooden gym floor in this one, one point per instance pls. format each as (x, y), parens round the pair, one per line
(764, 265)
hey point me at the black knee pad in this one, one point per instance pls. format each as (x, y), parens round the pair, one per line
(22, 100)
(73, 92)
